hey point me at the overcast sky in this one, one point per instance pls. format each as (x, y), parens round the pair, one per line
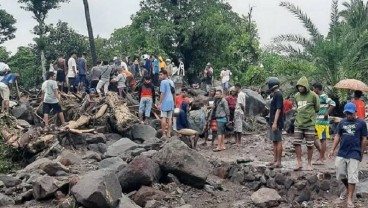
(108, 15)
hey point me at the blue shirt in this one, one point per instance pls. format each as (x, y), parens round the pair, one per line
(351, 133)
(148, 65)
(156, 64)
(168, 101)
(82, 66)
(9, 78)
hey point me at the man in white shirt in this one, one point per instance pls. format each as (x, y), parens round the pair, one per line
(225, 78)
(239, 114)
(72, 71)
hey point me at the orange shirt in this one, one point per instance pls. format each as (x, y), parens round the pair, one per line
(360, 105)
(179, 100)
(127, 73)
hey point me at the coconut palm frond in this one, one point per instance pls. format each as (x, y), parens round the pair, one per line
(334, 14)
(298, 39)
(308, 24)
(287, 49)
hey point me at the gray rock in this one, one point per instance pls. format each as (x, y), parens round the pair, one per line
(36, 165)
(53, 167)
(266, 197)
(126, 202)
(152, 204)
(100, 147)
(186, 206)
(113, 137)
(113, 163)
(249, 177)
(44, 187)
(9, 181)
(142, 132)
(98, 189)
(5, 200)
(197, 120)
(254, 186)
(261, 120)
(137, 152)
(23, 111)
(120, 147)
(362, 189)
(300, 185)
(280, 179)
(95, 138)
(305, 195)
(288, 183)
(92, 155)
(188, 165)
(156, 124)
(325, 185)
(312, 179)
(69, 156)
(271, 183)
(142, 171)
(255, 104)
(149, 153)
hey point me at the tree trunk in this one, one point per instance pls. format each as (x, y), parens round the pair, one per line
(43, 63)
(90, 32)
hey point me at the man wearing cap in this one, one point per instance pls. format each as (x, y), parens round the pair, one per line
(351, 134)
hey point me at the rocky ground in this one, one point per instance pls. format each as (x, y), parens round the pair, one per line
(153, 173)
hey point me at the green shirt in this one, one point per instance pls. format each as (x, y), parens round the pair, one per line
(324, 103)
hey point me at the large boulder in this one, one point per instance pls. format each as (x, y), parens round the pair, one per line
(255, 104)
(54, 168)
(6, 201)
(120, 147)
(141, 132)
(188, 165)
(362, 189)
(36, 165)
(88, 138)
(23, 111)
(98, 189)
(197, 120)
(44, 187)
(115, 164)
(199, 102)
(68, 157)
(266, 197)
(142, 171)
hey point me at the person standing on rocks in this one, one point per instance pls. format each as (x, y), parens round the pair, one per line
(51, 99)
(276, 120)
(231, 101)
(307, 105)
(225, 78)
(239, 113)
(351, 134)
(61, 71)
(5, 87)
(72, 71)
(105, 78)
(208, 74)
(95, 75)
(166, 103)
(221, 113)
(147, 97)
(326, 105)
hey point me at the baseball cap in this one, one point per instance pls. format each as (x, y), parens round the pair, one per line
(349, 108)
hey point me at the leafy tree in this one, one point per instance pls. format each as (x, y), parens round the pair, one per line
(40, 10)
(7, 28)
(4, 55)
(90, 32)
(62, 39)
(26, 63)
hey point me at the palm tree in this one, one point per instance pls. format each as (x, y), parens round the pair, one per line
(342, 53)
(90, 32)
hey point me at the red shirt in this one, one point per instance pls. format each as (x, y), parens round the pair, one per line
(288, 105)
(179, 100)
(360, 106)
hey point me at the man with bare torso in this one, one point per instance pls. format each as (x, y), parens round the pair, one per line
(61, 71)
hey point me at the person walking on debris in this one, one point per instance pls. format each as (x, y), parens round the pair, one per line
(183, 127)
(146, 97)
(208, 74)
(121, 80)
(221, 113)
(61, 71)
(326, 105)
(351, 134)
(231, 101)
(225, 78)
(211, 125)
(5, 87)
(166, 103)
(307, 105)
(239, 114)
(105, 78)
(179, 99)
(72, 71)
(51, 99)
(276, 120)
(82, 71)
(95, 75)
(360, 105)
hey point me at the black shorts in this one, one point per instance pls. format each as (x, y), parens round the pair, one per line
(55, 107)
(71, 81)
(94, 84)
(82, 78)
(60, 76)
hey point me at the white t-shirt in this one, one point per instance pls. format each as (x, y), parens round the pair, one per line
(71, 63)
(225, 75)
(48, 88)
(124, 65)
(4, 67)
(240, 100)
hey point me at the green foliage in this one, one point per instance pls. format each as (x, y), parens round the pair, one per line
(4, 55)
(62, 39)
(7, 28)
(26, 63)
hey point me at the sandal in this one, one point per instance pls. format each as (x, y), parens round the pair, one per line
(216, 150)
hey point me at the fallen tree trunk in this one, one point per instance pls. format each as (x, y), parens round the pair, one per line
(84, 119)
